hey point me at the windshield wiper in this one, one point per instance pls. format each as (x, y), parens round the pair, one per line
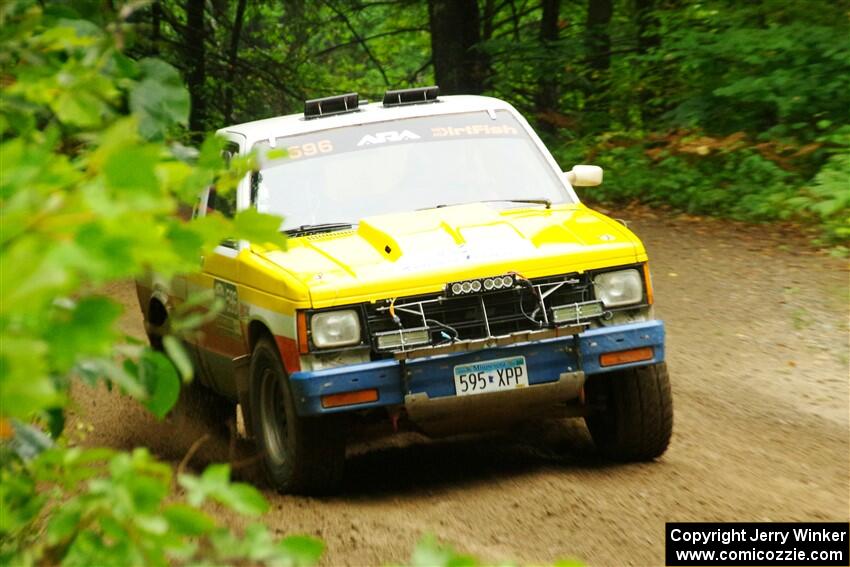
(540, 201)
(316, 228)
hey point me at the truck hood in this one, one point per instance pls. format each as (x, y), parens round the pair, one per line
(416, 252)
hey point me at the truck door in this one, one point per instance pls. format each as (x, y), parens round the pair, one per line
(221, 339)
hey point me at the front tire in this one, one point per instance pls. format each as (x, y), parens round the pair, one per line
(635, 421)
(300, 454)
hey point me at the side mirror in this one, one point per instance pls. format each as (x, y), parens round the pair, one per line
(584, 175)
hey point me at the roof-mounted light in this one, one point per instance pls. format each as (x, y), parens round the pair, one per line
(339, 104)
(411, 96)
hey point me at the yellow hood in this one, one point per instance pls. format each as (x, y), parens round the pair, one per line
(416, 252)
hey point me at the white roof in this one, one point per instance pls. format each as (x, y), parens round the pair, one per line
(252, 132)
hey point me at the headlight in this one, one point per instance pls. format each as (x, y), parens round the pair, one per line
(623, 287)
(335, 328)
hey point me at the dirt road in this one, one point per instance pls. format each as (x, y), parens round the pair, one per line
(758, 355)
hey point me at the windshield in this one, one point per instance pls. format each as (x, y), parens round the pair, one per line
(345, 174)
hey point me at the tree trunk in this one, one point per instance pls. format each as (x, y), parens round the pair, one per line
(546, 98)
(598, 48)
(648, 38)
(294, 12)
(598, 42)
(156, 26)
(514, 19)
(231, 60)
(193, 43)
(487, 23)
(647, 26)
(455, 31)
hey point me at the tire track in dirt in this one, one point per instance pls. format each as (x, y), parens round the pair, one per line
(758, 355)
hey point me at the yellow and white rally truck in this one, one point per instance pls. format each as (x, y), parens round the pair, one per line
(441, 275)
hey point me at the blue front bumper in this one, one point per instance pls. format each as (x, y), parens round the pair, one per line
(546, 360)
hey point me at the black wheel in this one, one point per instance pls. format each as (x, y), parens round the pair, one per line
(635, 419)
(301, 454)
(156, 324)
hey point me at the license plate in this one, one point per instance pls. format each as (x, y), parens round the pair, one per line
(490, 376)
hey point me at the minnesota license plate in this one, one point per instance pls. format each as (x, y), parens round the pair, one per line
(490, 376)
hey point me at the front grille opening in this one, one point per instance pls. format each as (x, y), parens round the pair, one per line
(507, 311)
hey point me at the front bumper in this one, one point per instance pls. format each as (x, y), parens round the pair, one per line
(398, 382)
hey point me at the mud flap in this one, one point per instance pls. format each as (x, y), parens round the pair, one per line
(242, 375)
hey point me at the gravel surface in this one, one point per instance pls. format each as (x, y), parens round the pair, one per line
(758, 356)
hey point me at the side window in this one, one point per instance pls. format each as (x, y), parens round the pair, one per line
(186, 212)
(224, 203)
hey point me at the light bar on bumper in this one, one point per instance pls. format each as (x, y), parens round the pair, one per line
(403, 338)
(576, 312)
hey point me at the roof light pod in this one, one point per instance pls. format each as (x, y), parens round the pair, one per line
(417, 95)
(339, 104)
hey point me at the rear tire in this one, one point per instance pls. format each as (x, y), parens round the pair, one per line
(156, 324)
(636, 421)
(303, 455)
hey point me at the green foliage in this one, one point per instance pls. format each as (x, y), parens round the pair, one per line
(101, 507)
(829, 197)
(774, 76)
(215, 484)
(781, 79)
(778, 77)
(701, 178)
(159, 99)
(737, 110)
(431, 553)
(739, 184)
(89, 196)
(89, 192)
(776, 72)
